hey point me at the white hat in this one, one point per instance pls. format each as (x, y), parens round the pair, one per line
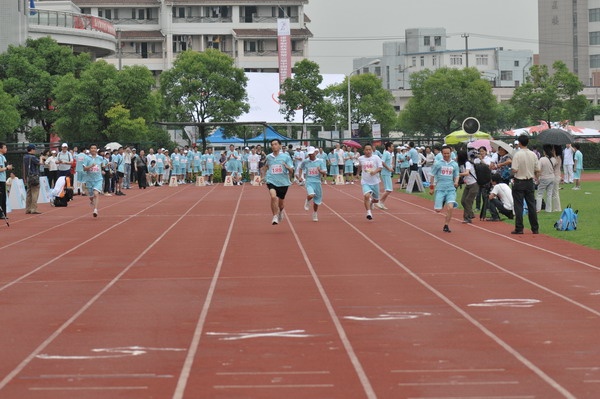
(516, 142)
(64, 145)
(53, 151)
(402, 147)
(311, 150)
(185, 151)
(87, 151)
(247, 148)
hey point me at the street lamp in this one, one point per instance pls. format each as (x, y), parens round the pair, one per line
(375, 61)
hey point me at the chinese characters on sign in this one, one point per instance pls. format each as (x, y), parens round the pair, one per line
(285, 47)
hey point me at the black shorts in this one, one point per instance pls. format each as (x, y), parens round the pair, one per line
(120, 174)
(341, 169)
(279, 191)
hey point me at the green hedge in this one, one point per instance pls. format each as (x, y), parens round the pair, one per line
(591, 155)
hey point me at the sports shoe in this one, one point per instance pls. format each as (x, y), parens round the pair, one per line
(275, 220)
(369, 215)
(280, 216)
(95, 213)
(467, 220)
(351, 182)
(306, 205)
(315, 217)
(576, 188)
(447, 229)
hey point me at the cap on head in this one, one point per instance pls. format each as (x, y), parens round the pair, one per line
(64, 145)
(311, 150)
(30, 147)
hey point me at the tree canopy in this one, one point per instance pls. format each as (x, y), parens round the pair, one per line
(9, 116)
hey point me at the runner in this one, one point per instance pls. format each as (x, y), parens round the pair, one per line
(93, 165)
(209, 165)
(232, 164)
(160, 165)
(253, 161)
(196, 163)
(80, 175)
(333, 165)
(348, 165)
(278, 168)
(444, 180)
(386, 173)
(313, 168)
(120, 171)
(370, 166)
(175, 157)
(183, 167)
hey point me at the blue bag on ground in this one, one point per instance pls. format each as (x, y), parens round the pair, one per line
(568, 220)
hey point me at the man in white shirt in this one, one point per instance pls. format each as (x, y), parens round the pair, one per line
(370, 165)
(64, 160)
(127, 156)
(568, 163)
(339, 153)
(501, 199)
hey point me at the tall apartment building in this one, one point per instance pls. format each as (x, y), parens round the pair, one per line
(153, 32)
(13, 23)
(425, 48)
(568, 32)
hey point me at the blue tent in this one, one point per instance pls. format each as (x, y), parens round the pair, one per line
(218, 138)
(269, 134)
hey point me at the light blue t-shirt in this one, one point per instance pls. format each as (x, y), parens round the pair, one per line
(579, 158)
(405, 158)
(175, 160)
(94, 174)
(277, 173)
(332, 158)
(160, 161)
(387, 159)
(152, 169)
(439, 156)
(79, 158)
(2, 165)
(414, 156)
(312, 170)
(196, 159)
(445, 173)
(118, 161)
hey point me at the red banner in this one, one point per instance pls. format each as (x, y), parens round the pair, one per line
(102, 25)
(285, 50)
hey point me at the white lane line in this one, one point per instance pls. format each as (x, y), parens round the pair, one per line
(189, 360)
(86, 388)
(452, 383)
(584, 368)
(592, 381)
(274, 373)
(279, 333)
(62, 224)
(7, 285)
(358, 368)
(473, 397)
(273, 386)
(489, 262)
(451, 371)
(9, 377)
(86, 376)
(549, 380)
(507, 237)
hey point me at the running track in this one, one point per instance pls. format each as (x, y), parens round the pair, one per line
(189, 292)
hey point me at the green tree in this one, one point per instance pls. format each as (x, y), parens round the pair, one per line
(302, 93)
(370, 103)
(31, 73)
(443, 98)
(204, 87)
(9, 116)
(550, 97)
(123, 128)
(135, 85)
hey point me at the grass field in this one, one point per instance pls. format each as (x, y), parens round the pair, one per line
(586, 200)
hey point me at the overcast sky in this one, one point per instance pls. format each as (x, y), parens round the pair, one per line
(389, 18)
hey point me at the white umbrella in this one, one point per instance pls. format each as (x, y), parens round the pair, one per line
(497, 143)
(113, 146)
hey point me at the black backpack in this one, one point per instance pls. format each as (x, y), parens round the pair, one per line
(484, 174)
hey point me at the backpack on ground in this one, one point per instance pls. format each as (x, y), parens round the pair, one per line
(568, 220)
(483, 173)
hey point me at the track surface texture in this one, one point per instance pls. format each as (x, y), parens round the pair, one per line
(190, 292)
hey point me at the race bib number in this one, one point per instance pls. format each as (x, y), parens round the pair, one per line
(277, 169)
(313, 171)
(159, 161)
(447, 171)
(196, 157)
(209, 160)
(369, 166)
(95, 168)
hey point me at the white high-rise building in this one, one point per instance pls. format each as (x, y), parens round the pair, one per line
(13, 23)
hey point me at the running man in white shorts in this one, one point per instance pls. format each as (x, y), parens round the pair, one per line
(369, 167)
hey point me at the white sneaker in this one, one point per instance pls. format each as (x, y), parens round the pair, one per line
(380, 205)
(369, 215)
(325, 182)
(306, 205)
(280, 217)
(275, 220)
(352, 183)
(315, 217)
(95, 213)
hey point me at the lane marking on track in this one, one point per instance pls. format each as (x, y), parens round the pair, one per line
(127, 351)
(10, 376)
(474, 397)
(358, 368)
(5, 286)
(390, 316)
(506, 303)
(489, 262)
(273, 386)
(93, 376)
(86, 388)
(526, 362)
(584, 368)
(506, 237)
(194, 344)
(276, 332)
(452, 383)
(274, 373)
(62, 224)
(451, 371)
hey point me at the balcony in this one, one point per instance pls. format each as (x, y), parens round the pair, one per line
(131, 21)
(134, 55)
(259, 19)
(271, 53)
(203, 20)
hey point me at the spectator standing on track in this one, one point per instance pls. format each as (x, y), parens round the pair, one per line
(546, 184)
(127, 168)
(3, 168)
(134, 156)
(333, 165)
(278, 169)
(253, 161)
(348, 165)
(64, 161)
(52, 173)
(387, 164)
(79, 173)
(370, 166)
(313, 168)
(525, 167)
(208, 167)
(161, 161)
(429, 161)
(108, 172)
(444, 180)
(339, 153)
(120, 168)
(467, 172)
(577, 166)
(140, 167)
(568, 164)
(404, 168)
(500, 200)
(31, 177)
(93, 165)
(414, 158)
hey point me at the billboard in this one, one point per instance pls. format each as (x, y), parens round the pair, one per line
(284, 49)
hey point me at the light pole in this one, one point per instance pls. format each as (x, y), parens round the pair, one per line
(376, 61)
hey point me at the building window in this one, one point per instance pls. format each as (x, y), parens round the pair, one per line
(434, 60)
(427, 41)
(179, 12)
(438, 40)
(456, 60)
(378, 71)
(595, 61)
(594, 38)
(506, 75)
(516, 63)
(86, 10)
(594, 14)
(108, 13)
(422, 61)
(180, 43)
(481, 59)
(414, 61)
(366, 70)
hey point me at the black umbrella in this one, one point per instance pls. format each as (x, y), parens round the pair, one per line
(555, 137)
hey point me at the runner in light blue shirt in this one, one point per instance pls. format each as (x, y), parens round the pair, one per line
(175, 157)
(311, 170)
(578, 159)
(278, 168)
(386, 173)
(120, 167)
(161, 159)
(80, 175)
(93, 165)
(333, 165)
(209, 165)
(444, 180)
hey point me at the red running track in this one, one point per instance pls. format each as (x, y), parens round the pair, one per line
(190, 292)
